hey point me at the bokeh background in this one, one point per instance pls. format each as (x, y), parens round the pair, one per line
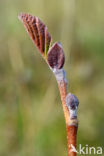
(31, 116)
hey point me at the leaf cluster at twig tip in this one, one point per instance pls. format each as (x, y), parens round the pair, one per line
(37, 31)
(42, 39)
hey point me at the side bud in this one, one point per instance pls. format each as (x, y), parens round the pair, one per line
(72, 103)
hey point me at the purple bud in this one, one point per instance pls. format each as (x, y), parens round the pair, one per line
(72, 101)
(55, 56)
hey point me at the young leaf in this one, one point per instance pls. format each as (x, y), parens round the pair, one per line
(37, 31)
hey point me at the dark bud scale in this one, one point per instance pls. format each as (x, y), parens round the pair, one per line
(55, 56)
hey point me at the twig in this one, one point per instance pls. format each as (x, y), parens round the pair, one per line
(72, 104)
(71, 125)
(55, 58)
(71, 121)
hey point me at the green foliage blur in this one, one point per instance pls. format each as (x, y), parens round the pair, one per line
(31, 116)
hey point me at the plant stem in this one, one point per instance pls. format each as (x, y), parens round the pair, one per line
(63, 93)
(71, 124)
(71, 138)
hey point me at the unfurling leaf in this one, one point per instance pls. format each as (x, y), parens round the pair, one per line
(37, 31)
(55, 56)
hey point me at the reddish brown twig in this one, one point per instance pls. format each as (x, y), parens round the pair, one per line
(72, 104)
(71, 138)
(71, 124)
(63, 92)
(55, 59)
(71, 130)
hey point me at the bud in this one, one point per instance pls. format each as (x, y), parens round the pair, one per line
(72, 104)
(55, 56)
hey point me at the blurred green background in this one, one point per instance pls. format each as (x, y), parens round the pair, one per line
(31, 116)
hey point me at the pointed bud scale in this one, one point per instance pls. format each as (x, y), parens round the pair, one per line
(37, 31)
(55, 56)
